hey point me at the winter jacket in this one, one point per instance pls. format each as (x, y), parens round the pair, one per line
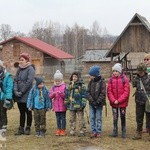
(75, 96)
(118, 89)
(57, 94)
(23, 82)
(37, 101)
(7, 87)
(140, 96)
(96, 92)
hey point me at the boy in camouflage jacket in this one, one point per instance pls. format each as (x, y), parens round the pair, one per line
(75, 101)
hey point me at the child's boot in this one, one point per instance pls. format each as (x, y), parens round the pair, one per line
(115, 131)
(20, 131)
(149, 135)
(137, 136)
(123, 128)
(123, 132)
(57, 133)
(62, 132)
(2, 135)
(42, 133)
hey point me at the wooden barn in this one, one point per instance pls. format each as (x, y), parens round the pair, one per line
(45, 57)
(134, 41)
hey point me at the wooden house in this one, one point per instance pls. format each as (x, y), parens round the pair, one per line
(134, 41)
(45, 57)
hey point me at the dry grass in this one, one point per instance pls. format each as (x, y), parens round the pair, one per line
(72, 143)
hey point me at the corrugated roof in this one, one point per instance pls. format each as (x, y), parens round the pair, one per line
(42, 46)
(100, 56)
(95, 55)
(144, 22)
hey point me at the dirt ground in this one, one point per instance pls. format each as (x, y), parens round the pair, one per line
(52, 142)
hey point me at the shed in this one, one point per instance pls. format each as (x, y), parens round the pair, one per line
(97, 57)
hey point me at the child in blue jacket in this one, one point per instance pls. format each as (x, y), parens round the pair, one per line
(6, 90)
(39, 101)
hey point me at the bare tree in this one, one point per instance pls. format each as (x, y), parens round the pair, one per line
(5, 31)
(48, 32)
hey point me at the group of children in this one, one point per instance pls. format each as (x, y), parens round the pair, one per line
(73, 97)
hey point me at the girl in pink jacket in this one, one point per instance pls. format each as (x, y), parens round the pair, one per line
(118, 91)
(57, 94)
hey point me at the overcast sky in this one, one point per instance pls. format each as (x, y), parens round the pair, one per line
(112, 14)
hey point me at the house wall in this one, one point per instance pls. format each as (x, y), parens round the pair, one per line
(134, 39)
(105, 68)
(10, 58)
(136, 58)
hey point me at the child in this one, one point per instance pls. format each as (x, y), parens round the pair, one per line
(6, 90)
(142, 85)
(75, 101)
(118, 91)
(147, 62)
(57, 94)
(96, 95)
(39, 101)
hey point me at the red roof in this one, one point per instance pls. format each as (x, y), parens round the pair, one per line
(42, 46)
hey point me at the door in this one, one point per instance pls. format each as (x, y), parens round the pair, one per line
(37, 64)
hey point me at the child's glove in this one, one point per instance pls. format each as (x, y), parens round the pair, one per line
(54, 94)
(48, 109)
(94, 103)
(18, 94)
(7, 104)
(59, 92)
(29, 109)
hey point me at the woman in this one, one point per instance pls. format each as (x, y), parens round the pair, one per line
(22, 85)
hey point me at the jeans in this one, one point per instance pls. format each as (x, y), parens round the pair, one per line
(96, 118)
(61, 120)
(24, 112)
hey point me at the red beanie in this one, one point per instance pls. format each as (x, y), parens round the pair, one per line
(26, 56)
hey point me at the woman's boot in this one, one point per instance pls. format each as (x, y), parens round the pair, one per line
(27, 130)
(20, 131)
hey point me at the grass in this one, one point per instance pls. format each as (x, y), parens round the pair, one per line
(51, 142)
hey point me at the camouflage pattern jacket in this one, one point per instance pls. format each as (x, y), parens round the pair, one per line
(140, 95)
(75, 96)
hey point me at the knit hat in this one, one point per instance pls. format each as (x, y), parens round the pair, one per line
(142, 67)
(58, 75)
(117, 67)
(26, 56)
(39, 80)
(118, 64)
(94, 71)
